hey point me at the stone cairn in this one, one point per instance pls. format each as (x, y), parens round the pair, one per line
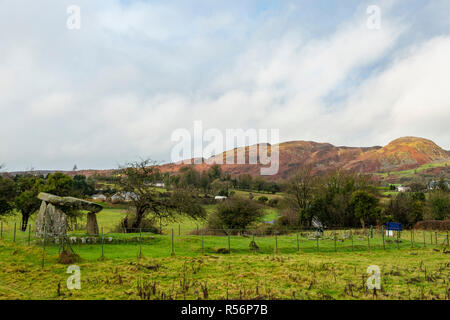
(52, 214)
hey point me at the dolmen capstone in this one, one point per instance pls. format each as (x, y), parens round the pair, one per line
(52, 217)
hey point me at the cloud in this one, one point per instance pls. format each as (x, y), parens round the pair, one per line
(117, 88)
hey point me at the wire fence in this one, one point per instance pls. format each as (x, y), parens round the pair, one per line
(142, 242)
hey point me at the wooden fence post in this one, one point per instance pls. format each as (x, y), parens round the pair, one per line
(140, 242)
(203, 249)
(424, 242)
(335, 247)
(14, 239)
(398, 239)
(276, 243)
(173, 249)
(103, 242)
(382, 235)
(29, 234)
(43, 246)
(351, 236)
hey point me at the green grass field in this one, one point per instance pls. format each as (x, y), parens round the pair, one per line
(405, 274)
(411, 172)
(293, 266)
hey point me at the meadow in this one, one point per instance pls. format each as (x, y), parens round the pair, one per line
(183, 264)
(408, 273)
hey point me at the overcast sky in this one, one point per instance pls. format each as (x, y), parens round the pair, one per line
(115, 89)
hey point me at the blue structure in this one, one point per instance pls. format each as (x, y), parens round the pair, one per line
(394, 226)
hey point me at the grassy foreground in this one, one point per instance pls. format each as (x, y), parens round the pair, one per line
(418, 273)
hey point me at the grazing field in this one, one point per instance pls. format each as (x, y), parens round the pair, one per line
(405, 274)
(296, 265)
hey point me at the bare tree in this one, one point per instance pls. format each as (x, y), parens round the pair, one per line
(300, 190)
(137, 181)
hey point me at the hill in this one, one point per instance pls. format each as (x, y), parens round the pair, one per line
(401, 154)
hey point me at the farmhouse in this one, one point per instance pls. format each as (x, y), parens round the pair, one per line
(100, 197)
(403, 189)
(220, 198)
(435, 185)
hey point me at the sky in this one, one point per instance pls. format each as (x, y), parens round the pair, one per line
(116, 89)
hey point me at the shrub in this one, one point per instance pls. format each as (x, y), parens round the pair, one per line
(263, 199)
(273, 203)
(235, 213)
(442, 225)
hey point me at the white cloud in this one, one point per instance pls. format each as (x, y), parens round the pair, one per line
(117, 88)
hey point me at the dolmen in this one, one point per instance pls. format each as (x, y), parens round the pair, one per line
(52, 217)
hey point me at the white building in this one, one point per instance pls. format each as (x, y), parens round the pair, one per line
(100, 197)
(220, 198)
(403, 189)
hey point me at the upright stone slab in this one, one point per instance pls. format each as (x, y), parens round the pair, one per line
(54, 220)
(91, 225)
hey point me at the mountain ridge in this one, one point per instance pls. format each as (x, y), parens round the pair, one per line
(403, 153)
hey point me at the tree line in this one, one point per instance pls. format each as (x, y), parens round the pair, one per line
(19, 193)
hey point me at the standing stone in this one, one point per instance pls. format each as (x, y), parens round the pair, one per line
(54, 220)
(91, 224)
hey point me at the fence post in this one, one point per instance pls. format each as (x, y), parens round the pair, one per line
(435, 238)
(203, 249)
(14, 239)
(317, 239)
(431, 237)
(398, 239)
(43, 246)
(179, 229)
(412, 243)
(29, 234)
(298, 243)
(335, 248)
(103, 242)
(276, 243)
(382, 235)
(368, 242)
(229, 243)
(140, 242)
(173, 250)
(351, 236)
(424, 243)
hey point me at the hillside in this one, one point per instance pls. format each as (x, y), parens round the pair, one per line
(401, 154)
